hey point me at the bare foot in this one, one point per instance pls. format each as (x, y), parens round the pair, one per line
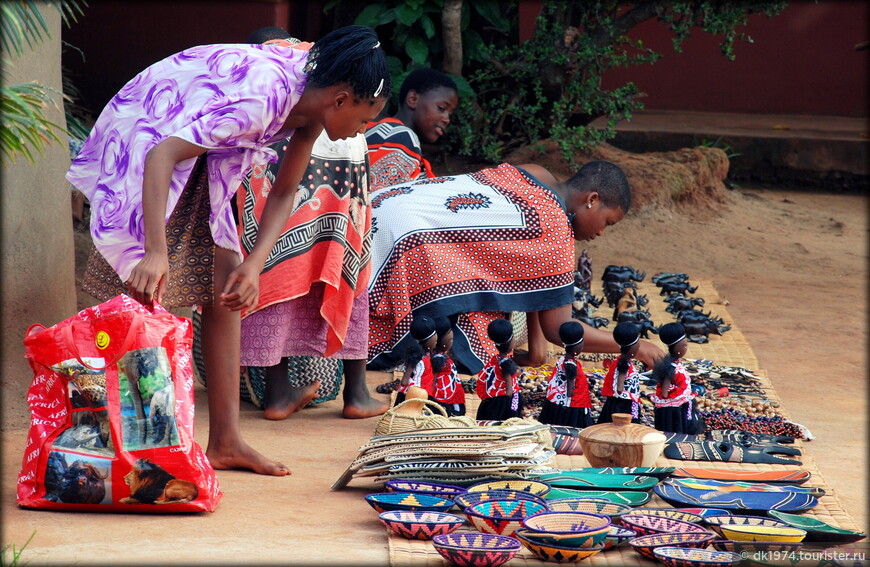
(294, 399)
(366, 408)
(244, 457)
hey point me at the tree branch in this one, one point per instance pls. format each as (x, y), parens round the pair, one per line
(627, 21)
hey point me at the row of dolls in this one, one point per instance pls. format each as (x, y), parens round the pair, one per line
(568, 400)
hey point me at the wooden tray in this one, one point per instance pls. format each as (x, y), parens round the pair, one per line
(595, 481)
(791, 476)
(817, 530)
(757, 503)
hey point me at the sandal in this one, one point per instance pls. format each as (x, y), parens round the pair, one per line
(730, 453)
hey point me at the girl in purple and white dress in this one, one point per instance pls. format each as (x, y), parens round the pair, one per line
(168, 153)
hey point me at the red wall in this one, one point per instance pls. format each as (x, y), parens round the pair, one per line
(802, 61)
(121, 38)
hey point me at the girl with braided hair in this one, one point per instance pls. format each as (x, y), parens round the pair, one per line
(673, 395)
(568, 402)
(497, 386)
(622, 382)
(448, 388)
(418, 364)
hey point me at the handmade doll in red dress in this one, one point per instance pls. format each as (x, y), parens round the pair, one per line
(568, 402)
(622, 382)
(448, 389)
(673, 395)
(497, 382)
(418, 364)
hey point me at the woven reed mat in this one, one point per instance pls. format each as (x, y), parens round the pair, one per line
(730, 349)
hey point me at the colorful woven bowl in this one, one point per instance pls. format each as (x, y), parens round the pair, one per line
(716, 523)
(471, 498)
(502, 517)
(645, 524)
(617, 535)
(421, 487)
(474, 549)
(692, 557)
(420, 525)
(535, 487)
(576, 529)
(603, 507)
(557, 553)
(384, 501)
(762, 533)
(646, 544)
(671, 513)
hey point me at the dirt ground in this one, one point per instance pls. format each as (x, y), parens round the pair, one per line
(792, 264)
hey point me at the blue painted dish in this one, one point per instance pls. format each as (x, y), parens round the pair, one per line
(757, 503)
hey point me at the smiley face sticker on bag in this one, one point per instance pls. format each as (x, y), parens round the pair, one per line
(102, 340)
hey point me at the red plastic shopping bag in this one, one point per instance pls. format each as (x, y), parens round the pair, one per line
(112, 413)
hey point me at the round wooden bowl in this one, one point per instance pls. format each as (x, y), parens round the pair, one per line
(474, 549)
(621, 443)
(420, 524)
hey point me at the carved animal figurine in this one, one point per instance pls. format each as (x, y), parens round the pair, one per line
(622, 274)
(594, 322)
(697, 331)
(614, 290)
(642, 300)
(673, 276)
(646, 327)
(668, 287)
(680, 302)
(633, 316)
(626, 303)
(583, 275)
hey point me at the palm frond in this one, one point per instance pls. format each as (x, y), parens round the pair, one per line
(22, 22)
(24, 127)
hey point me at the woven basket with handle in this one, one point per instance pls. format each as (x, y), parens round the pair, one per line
(397, 422)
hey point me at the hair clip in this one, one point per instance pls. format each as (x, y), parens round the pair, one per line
(376, 45)
(380, 87)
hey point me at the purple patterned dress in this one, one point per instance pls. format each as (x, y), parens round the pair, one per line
(231, 99)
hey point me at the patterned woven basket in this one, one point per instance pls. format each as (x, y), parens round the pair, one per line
(646, 544)
(645, 524)
(394, 422)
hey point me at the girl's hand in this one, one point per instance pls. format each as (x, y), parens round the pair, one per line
(649, 354)
(148, 278)
(242, 290)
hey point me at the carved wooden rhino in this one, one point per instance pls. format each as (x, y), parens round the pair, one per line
(614, 273)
